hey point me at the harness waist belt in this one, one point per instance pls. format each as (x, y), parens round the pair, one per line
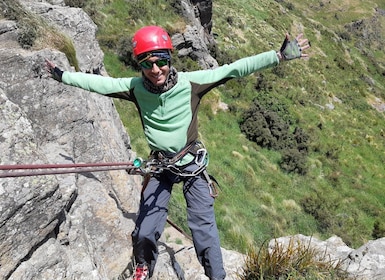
(192, 148)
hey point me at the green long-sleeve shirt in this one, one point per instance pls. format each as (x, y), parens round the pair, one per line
(169, 119)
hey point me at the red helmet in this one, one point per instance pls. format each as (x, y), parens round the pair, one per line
(150, 38)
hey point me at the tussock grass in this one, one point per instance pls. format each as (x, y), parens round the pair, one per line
(61, 42)
(295, 261)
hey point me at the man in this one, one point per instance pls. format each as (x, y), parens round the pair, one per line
(168, 102)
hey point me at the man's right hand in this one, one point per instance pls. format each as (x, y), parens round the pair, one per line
(55, 72)
(294, 49)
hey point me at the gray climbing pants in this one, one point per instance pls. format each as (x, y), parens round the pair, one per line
(200, 216)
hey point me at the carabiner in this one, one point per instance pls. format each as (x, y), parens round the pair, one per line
(201, 157)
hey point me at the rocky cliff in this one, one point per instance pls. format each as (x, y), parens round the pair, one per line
(78, 226)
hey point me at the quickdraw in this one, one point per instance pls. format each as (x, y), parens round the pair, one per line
(156, 165)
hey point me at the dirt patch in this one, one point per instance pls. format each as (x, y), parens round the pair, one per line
(377, 103)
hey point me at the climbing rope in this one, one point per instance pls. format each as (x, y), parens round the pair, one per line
(21, 170)
(136, 167)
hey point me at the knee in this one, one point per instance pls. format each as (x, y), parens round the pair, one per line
(140, 235)
(201, 218)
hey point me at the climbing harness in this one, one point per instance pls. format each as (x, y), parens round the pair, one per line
(160, 161)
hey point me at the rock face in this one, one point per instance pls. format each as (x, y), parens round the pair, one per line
(69, 226)
(197, 39)
(54, 227)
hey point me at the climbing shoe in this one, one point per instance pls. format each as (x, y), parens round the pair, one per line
(141, 272)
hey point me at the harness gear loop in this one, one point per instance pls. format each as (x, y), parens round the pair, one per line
(169, 161)
(201, 160)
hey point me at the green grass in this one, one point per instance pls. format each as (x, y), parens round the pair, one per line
(257, 199)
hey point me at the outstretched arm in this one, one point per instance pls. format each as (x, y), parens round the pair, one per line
(91, 82)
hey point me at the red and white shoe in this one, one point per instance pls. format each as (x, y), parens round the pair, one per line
(141, 272)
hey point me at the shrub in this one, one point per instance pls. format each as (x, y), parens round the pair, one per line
(27, 34)
(125, 53)
(293, 160)
(269, 130)
(344, 35)
(265, 128)
(76, 3)
(322, 208)
(302, 139)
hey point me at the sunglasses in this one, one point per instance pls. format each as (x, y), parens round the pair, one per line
(149, 64)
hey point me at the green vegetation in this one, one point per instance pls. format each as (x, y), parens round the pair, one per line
(337, 185)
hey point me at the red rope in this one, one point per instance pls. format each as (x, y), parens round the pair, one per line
(49, 169)
(67, 165)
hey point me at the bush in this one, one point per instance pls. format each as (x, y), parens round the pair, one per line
(266, 128)
(293, 160)
(76, 3)
(302, 139)
(27, 34)
(321, 208)
(125, 53)
(269, 130)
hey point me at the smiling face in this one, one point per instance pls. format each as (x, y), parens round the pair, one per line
(158, 70)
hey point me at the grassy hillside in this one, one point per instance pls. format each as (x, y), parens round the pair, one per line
(330, 97)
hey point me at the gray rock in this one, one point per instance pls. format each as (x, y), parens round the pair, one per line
(76, 225)
(197, 39)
